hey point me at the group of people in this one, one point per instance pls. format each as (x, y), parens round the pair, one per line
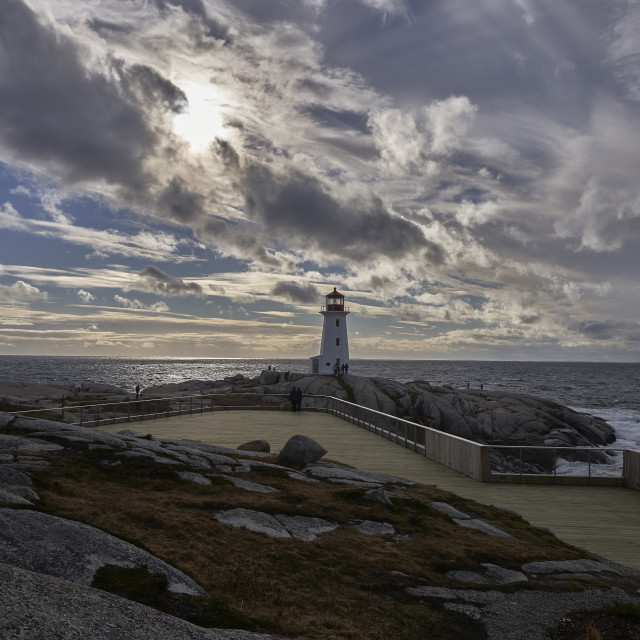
(295, 397)
(343, 369)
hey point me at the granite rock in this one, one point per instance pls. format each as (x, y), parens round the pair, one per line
(300, 450)
(75, 551)
(40, 607)
(261, 446)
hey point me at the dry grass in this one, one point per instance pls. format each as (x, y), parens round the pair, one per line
(620, 622)
(342, 585)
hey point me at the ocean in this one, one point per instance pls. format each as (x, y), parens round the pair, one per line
(608, 390)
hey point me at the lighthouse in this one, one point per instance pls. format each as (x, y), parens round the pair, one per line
(334, 348)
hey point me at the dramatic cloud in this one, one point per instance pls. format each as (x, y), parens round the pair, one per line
(88, 129)
(296, 292)
(466, 169)
(154, 280)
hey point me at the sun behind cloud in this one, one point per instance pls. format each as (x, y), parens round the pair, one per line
(201, 122)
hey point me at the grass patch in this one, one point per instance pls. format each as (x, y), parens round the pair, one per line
(142, 586)
(618, 622)
(344, 585)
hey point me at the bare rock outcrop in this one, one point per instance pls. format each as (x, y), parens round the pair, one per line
(485, 417)
(40, 607)
(75, 551)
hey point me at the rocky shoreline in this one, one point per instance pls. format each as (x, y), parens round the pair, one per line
(485, 417)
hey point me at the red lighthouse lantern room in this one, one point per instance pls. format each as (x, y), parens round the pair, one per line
(335, 301)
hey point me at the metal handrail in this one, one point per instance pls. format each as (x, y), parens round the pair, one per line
(472, 457)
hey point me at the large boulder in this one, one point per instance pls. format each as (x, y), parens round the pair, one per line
(301, 450)
(269, 376)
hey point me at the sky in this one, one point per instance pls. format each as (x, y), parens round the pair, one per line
(190, 178)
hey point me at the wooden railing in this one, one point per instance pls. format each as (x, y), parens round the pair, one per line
(464, 456)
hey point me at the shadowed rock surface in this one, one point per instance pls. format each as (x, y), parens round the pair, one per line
(47, 561)
(75, 551)
(41, 607)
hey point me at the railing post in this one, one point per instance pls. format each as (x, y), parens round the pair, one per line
(520, 470)
(555, 466)
(191, 405)
(180, 407)
(589, 463)
(98, 417)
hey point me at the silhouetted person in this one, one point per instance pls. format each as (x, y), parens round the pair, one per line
(299, 399)
(293, 398)
(346, 367)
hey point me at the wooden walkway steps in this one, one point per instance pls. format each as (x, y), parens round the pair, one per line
(602, 520)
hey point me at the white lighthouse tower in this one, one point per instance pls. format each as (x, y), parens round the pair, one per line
(334, 349)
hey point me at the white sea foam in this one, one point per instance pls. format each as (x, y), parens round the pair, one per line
(626, 423)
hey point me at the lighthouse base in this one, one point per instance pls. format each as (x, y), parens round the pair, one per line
(321, 365)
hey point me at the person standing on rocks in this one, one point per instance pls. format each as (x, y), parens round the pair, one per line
(299, 399)
(293, 398)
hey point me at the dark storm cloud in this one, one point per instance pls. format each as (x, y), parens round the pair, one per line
(303, 293)
(181, 202)
(56, 113)
(153, 280)
(601, 330)
(299, 206)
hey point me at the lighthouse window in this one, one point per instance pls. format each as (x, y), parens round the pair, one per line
(337, 322)
(337, 342)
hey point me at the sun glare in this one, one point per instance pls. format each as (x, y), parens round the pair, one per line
(201, 121)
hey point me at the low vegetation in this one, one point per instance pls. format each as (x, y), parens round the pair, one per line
(620, 622)
(342, 585)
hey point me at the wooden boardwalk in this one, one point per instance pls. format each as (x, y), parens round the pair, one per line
(602, 520)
